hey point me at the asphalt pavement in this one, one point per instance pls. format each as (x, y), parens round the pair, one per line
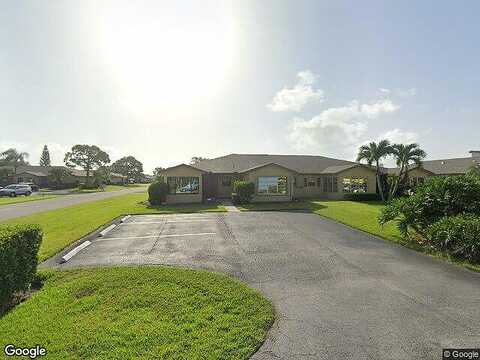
(338, 293)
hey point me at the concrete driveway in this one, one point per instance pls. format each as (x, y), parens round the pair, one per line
(338, 293)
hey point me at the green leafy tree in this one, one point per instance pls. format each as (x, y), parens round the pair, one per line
(6, 174)
(58, 176)
(88, 157)
(45, 158)
(474, 170)
(373, 153)
(14, 159)
(196, 160)
(156, 173)
(129, 167)
(102, 176)
(405, 156)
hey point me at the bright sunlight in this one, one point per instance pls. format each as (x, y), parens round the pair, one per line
(158, 62)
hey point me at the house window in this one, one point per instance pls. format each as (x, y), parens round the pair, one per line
(183, 184)
(414, 181)
(354, 185)
(305, 182)
(329, 184)
(319, 182)
(311, 182)
(272, 185)
(226, 181)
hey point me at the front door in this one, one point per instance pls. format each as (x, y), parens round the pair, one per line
(209, 186)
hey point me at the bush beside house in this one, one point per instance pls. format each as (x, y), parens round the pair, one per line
(242, 192)
(19, 246)
(443, 213)
(157, 193)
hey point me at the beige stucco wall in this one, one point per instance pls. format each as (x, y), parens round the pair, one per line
(184, 198)
(358, 172)
(271, 170)
(301, 191)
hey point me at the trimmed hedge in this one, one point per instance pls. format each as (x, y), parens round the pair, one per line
(362, 197)
(242, 192)
(19, 246)
(457, 235)
(157, 193)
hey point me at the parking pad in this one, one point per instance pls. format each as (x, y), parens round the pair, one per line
(194, 240)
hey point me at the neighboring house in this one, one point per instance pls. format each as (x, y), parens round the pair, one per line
(39, 176)
(442, 167)
(276, 178)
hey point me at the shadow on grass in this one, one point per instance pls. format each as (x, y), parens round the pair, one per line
(182, 208)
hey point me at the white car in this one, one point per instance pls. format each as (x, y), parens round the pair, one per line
(16, 189)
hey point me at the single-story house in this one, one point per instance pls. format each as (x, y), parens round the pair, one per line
(443, 167)
(39, 175)
(276, 178)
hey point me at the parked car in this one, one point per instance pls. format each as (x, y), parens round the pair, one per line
(31, 184)
(16, 189)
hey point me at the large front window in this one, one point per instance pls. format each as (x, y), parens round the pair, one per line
(354, 185)
(183, 184)
(272, 185)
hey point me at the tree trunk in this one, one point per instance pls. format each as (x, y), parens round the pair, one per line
(395, 185)
(379, 183)
(87, 180)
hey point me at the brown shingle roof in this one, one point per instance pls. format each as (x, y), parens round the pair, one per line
(454, 166)
(303, 164)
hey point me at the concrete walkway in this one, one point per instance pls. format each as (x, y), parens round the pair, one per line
(32, 207)
(229, 206)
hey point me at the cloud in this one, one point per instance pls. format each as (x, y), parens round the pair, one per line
(295, 98)
(400, 136)
(407, 92)
(336, 128)
(385, 91)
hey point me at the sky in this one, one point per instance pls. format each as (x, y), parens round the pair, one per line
(165, 81)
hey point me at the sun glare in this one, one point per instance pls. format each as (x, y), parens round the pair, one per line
(158, 63)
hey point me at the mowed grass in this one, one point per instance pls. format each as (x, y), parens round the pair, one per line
(62, 227)
(140, 313)
(360, 215)
(108, 188)
(21, 199)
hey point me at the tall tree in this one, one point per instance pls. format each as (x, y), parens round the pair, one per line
(372, 154)
(45, 158)
(405, 155)
(196, 160)
(14, 158)
(88, 157)
(129, 167)
(58, 175)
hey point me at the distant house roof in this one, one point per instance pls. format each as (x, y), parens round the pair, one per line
(454, 166)
(42, 171)
(303, 164)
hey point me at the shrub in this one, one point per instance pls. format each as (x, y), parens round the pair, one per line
(362, 197)
(457, 235)
(19, 246)
(242, 192)
(437, 198)
(157, 193)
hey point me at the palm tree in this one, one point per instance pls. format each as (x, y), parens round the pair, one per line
(14, 158)
(405, 155)
(373, 153)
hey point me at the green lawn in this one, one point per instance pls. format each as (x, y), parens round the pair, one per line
(107, 188)
(21, 199)
(359, 215)
(140, 313)
(62, 227)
